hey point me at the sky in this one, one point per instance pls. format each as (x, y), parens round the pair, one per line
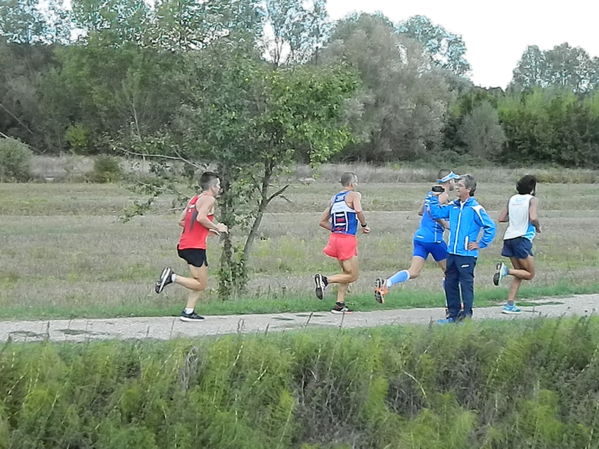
(496, 33)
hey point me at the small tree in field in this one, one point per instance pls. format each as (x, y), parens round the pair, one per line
(250, 120)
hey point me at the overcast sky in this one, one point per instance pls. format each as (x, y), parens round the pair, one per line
(496, 33)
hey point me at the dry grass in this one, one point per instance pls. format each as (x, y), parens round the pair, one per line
(64, 249)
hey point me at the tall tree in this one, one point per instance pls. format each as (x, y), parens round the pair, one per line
(446, 50)
(298, 28)
(116, 22)
(22, 22)
(402, 103)
(561, 67)
(183, 25)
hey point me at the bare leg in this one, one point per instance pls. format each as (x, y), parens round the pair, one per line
(442, 264)
(195, 284)
(416, 267)
(350, 274)
(524, 269)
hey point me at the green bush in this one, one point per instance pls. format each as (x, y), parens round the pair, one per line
(15, 160)
(77, 136)
(106, 169)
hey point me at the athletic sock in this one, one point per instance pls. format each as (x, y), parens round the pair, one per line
(397, 278)
(173, 277)
(325, 281)
(188, 311)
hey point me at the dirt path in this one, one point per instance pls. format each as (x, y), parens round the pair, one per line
(163, 328)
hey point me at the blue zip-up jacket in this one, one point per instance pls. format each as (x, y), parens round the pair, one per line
(465, 222)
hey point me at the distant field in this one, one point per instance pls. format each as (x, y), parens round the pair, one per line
(64, 252)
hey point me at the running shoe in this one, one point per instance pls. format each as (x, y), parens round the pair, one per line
(380, 290)
(511, 309)
(321, 284)
(340, 307)
(448, 320)
(501, 271)
(190, 316)
(166, 277)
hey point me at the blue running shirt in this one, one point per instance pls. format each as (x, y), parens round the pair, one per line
(430, 231)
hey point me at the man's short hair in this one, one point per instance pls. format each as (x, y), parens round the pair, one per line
(469, 183)
(442, 173)
(348, 178)
(208, 179)
(527, 185)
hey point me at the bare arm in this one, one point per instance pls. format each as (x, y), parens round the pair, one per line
(354, 200)
(503, 215)
(533, 214)
(205, 206)
(325, 221)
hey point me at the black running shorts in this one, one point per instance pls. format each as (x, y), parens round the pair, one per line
(193, 256)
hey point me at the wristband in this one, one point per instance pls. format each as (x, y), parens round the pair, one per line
(364, 225)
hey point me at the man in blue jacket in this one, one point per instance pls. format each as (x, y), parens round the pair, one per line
(466, 219)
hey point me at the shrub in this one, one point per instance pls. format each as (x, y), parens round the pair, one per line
(106, 169)
(77, 136)
(15, 160)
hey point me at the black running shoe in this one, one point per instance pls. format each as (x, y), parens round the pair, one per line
(320, 285)
(166, 277)
(340, 307)
(501, 271)
(190, 316)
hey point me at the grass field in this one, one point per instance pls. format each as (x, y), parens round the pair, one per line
(65, 254)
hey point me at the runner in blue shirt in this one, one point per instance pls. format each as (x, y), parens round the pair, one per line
(428, 239)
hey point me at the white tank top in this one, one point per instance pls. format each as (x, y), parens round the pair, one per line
(519, 218)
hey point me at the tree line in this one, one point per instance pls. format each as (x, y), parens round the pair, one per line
(93, 76)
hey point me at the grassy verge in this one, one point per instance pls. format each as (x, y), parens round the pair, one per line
(516, 385)
(399, 299)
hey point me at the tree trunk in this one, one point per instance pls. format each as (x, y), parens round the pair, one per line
(264, 200)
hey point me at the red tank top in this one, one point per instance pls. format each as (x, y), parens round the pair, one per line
(194, 234)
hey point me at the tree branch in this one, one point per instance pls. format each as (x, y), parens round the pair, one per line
(277, 193)
(164, 156)
(16, 118)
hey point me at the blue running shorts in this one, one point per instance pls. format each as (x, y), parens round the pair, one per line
(437, 249)
(520, 248)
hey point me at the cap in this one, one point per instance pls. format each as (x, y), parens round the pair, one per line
(448, 177)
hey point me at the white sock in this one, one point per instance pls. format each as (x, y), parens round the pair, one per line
(188, 311)
(173, 277)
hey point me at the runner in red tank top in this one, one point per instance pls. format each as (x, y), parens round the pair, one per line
(194, 234)
(197, 221)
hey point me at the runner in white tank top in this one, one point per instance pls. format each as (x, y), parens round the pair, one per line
(522, 215)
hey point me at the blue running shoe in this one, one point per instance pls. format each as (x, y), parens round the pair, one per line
(510, 308)
(448, 320)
